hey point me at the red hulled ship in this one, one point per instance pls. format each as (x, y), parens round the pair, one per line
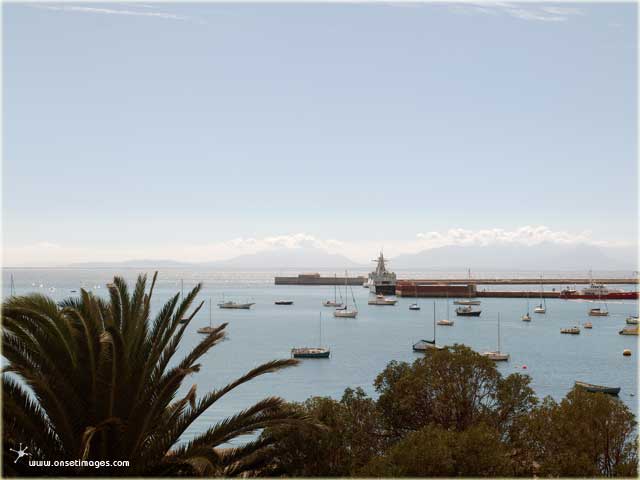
(597, 291)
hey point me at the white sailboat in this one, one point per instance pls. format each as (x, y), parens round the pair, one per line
(209, 329)
(312, 352)
(526, 317)
(345, 312)
(542, 308)
(334, 302)
(497, 356)
(445, 321)
(599, 312)
(424, 345)
(415, 306)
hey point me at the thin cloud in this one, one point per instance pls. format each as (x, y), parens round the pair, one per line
(529, 13)
(114, 11)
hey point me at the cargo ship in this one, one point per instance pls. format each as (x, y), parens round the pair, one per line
(597, 291)
(382, 281)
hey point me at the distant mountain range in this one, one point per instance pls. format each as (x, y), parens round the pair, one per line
(541, 257)
(544, 256)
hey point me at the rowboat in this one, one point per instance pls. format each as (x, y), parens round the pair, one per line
(590, 387)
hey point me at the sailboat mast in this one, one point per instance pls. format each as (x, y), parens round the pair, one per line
(335, 288)
(434, 323)
(320, 326)
(209, 312)
(346, 294)
(498, 333)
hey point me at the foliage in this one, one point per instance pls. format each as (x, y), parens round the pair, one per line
(96, 379)
(586, 434)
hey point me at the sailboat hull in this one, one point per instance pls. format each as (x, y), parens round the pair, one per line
(310, 353)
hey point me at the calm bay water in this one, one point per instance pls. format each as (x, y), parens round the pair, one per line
(361, 347)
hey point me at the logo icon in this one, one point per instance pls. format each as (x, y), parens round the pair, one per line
(22, 452)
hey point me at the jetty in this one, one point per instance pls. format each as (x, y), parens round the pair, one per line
(316, 279)
(523, 281)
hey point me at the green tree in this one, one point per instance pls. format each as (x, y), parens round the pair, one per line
(434, 451)
(97, 379)
(454, 388)
(348, 440)
(586, 434)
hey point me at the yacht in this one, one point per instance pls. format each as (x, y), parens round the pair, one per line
(424, 345)
(334, 302)
(312, 352)
(497, 356)
(467, 312)
(382, 300)
(632, 320)
(207, 330)
(344, 312)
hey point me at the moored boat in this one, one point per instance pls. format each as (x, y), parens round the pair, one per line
(597, 312)
(497, 356)
(344, 312)
(207, 330)
(588, 325)
(571, 330)
(312, 352)
(283, 302)
(466, 302)
(467, 312)
(334, 302)
(590, 387)
(444, 322)
(632, 320)
(235, 305)
(381, 300)
(424, 345)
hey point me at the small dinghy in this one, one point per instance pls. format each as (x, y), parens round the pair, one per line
(414, 306)
(590, 387)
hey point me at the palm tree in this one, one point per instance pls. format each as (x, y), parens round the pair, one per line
(93, 379)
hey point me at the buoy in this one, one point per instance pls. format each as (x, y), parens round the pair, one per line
(524, 367)
(626, 352)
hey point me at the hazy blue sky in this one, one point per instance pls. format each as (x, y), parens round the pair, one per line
(195, 131)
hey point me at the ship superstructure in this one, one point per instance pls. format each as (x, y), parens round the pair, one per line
(381, 280)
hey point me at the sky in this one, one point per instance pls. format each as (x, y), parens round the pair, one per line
(202, 131)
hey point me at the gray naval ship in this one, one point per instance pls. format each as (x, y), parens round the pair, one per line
(381, 280)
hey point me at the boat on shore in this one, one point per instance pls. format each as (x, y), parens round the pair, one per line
(467, 312)
(590, 387)
(283, 302)
(381, 300)
(629, 331)
(575, 330)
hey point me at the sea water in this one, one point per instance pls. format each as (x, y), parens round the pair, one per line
(362, 347)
